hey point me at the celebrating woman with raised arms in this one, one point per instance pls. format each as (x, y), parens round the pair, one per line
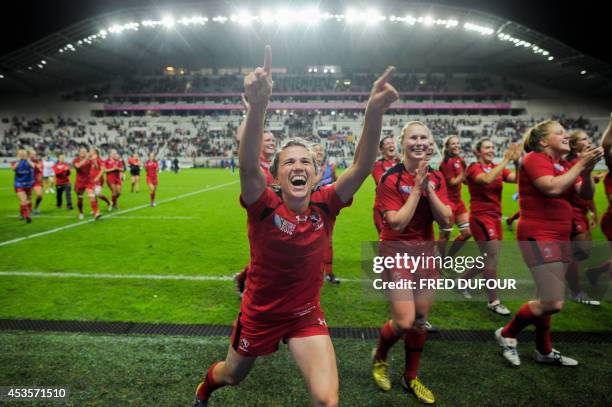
(289, 228)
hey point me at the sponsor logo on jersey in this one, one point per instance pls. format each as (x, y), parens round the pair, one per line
(486, 169)
(322, 321)
(558, 167)
(284, 225)
(406, 189)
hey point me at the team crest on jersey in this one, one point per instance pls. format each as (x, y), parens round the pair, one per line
(406, 189)
(486, 170)
(284, 225)
(558, 167)
(322, 321)
(456, 164)
(244, 344)
(316, 221)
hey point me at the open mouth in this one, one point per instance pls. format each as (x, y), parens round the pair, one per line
(298, 180)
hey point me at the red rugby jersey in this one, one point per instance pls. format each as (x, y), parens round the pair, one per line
(393, 191)
(95, 169)
(115, 174)
(485, 198)
(553, 213)
(82, 172)
(287, 254)
(151, 167)
(380, 167)
(451, 168)
(62, 173)
(265, 166)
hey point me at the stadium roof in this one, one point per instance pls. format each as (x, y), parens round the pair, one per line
(414, 37)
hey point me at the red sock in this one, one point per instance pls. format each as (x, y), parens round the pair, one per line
(38, 201)
(114, 199)
(543, 339)
(414, 341)
(24, 210)
(386, 340)
(205, 391)
(152, 195)
(523, 318)
(80, 204)
(105, 199)
(94, 205)
(30, 206)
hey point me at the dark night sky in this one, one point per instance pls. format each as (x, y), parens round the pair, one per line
(578, 26)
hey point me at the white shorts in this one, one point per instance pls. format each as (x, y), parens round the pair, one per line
(98, 190)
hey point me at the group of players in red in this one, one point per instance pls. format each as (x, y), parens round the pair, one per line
(90, 172)
(290, 226)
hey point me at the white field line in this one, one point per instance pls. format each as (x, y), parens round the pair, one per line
(113, 214)
(98, 276)
(117, 217)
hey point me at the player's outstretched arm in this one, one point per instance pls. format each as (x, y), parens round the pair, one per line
(381, 97)
(257, 89)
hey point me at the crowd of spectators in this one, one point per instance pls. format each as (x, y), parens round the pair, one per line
(190, 137)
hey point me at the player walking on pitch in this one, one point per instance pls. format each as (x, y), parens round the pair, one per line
(543, 233)
(485, 181)
(289, 231)
(24, 180)
(152, 168)
(411, 198)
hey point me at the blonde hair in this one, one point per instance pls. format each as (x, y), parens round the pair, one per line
(409, 125)
(535, 134)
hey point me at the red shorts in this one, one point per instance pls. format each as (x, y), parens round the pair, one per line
(37, 184)
(152, 181)
(580, 222)
(486, 226)
(540, 246)
(458, 208)
(256, 338)
(80, 188)
(378, 219)
(113, 181)
(606, 225)
(26, 190)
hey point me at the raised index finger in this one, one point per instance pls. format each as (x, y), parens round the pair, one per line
(384, 78)
(268, 60)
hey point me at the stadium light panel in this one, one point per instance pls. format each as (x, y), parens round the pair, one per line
(266, 17)
(583, 72)
(1, 76)
(168, 21)
(43, 62)
(551, 58)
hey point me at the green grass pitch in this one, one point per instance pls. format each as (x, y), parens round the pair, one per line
(203, 233)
